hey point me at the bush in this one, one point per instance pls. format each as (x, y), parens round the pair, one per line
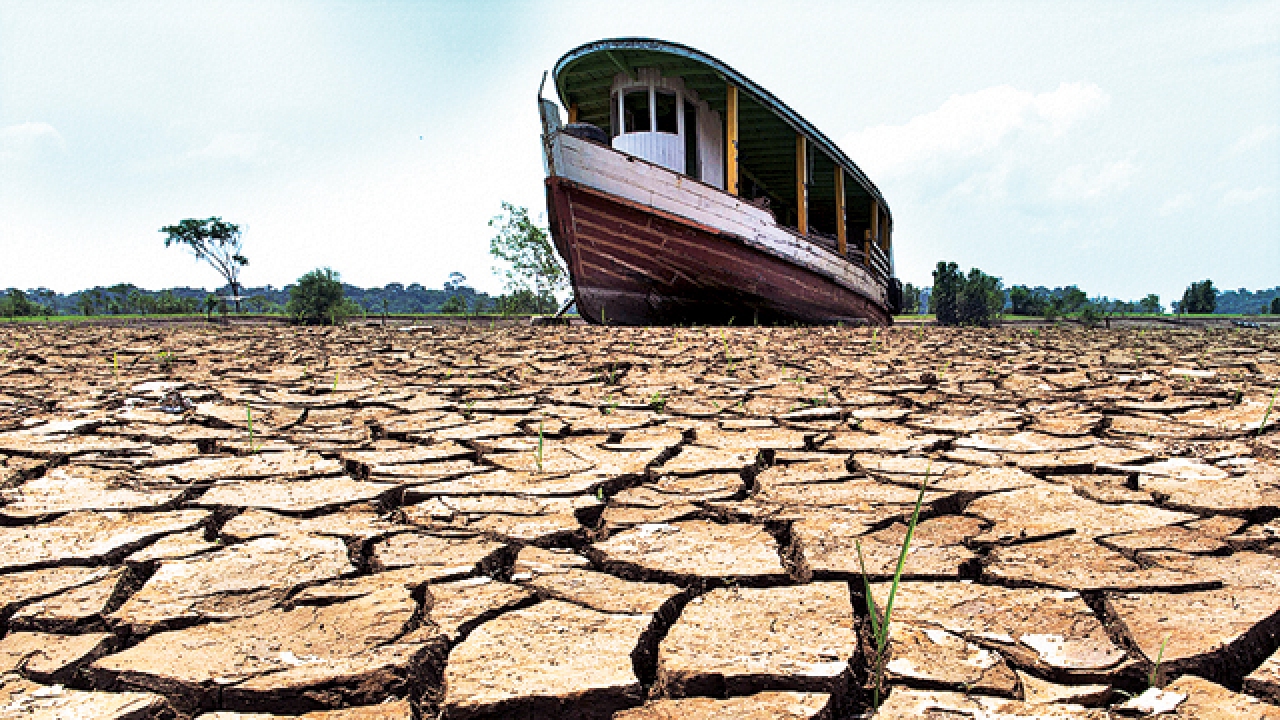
(1275, 306)
(16, 304)
(1090, 317)
(455, 305)
(318, 299)
(525, 302)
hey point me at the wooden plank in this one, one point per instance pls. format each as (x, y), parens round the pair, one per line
(731, 140)
(573, 113)
(842, 227)
(802, 193)
(866, 249)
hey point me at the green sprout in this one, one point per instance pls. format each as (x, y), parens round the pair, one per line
(336, 373)
(657, 402)
(875, 340)
(880, 628)
(1267, 414)
(1155, 669)
(728, 359)
(248, 413)
(538, 455)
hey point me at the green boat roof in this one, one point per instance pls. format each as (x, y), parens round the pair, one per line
(766, 126)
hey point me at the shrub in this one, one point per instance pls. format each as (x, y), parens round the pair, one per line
(455, 305)
(981, 299)
(318, 299)
(524, 302)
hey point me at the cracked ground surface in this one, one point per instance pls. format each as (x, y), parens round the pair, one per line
(370, 523)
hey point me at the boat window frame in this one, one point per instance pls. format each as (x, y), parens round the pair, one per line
(647, 91)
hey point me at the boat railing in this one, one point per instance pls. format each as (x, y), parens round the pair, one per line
(879, 262)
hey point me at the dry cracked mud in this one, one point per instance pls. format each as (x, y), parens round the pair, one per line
(385, 523)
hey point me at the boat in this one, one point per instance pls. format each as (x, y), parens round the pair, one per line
(680, 192)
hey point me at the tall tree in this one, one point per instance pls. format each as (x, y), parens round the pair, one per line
(1150, 304)
(946, 291)
(532, 263)
(214, 241)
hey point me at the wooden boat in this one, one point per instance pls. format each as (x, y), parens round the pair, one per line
(681, 192)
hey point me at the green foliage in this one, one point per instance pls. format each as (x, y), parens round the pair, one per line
(1150, 304)
(214, 241)
(524, 302)
(959, 300)
(910, 299)
(1275, 306)
(981, 299)
(318, 299)
(531, 261)
(1090, 315)
(1200, 298)
(15, 303)
(946, 291)
(455, 305)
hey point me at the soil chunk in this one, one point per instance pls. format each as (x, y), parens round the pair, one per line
(551, 660)
(693, 551)
(738, 641)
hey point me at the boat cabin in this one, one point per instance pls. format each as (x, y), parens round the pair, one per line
(681, 109)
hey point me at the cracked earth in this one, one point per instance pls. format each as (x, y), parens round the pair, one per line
(370, 523)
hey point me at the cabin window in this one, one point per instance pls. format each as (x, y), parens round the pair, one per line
(691, 141)
(666, 112)
(614, 128)
(635, 110)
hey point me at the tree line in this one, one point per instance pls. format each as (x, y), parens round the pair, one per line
(977, 298)
(533, 278)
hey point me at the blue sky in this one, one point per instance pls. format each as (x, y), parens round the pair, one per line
(1128, 147)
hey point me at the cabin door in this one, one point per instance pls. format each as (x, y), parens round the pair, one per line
(691, 167)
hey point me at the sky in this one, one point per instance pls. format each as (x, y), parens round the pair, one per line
(1127, 148)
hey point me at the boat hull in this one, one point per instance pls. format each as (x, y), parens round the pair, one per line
(631, 264)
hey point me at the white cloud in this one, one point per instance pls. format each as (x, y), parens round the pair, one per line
(1239, 196)
(1255, 138)
(1089, 180)
(233, 146)
(972, 125)
(28, 138)
(1176, 204)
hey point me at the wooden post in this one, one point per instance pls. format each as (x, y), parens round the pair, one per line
(866, 248)
(573, 112)
(875, 226)
(842, 230)
(731, 140)
(802, 189)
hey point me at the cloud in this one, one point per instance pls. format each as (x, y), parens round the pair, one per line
(1090, 180)
(972, 125)
(1255, 138)
(29, 138)
(245, 147)
(1240, 196)
(1176, 204)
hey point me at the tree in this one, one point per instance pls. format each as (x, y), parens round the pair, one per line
(1275, 306)
(946, 290)
(532, 263)
(318, 299)
(981, 299)
(1150, 304)
(1026, 301)
(215, 242)
(910, 299)
(1200, 298)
